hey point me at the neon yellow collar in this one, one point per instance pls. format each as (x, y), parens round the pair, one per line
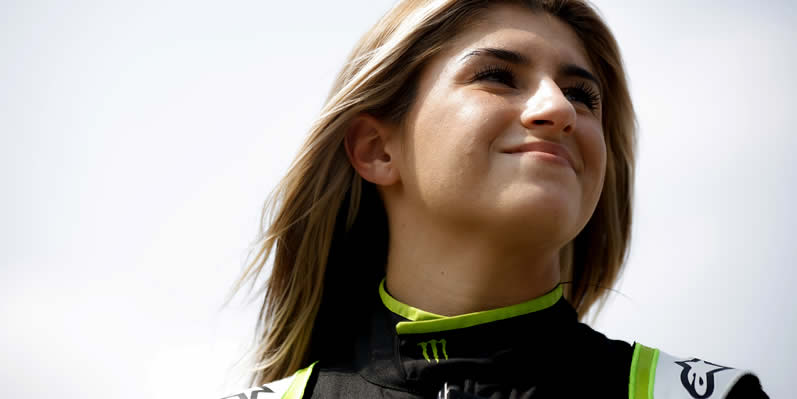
(425, 322)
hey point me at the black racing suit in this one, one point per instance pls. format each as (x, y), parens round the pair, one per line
(546, 353)
(537, 349)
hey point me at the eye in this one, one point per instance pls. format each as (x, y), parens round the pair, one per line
(584, 94)
(496, 73)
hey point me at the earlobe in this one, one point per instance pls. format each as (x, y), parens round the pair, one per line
(366, 143)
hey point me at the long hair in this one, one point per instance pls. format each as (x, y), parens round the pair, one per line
(325, 228)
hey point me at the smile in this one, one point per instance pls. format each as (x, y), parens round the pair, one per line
(544, 150)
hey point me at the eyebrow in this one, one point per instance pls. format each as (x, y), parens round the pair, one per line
(520, 59)
(505, 55)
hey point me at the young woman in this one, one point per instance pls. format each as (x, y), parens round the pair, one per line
(463, 199)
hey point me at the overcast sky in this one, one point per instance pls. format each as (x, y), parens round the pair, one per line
(138, 141)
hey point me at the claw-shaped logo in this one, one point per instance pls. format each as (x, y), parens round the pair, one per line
(697, 377)
(433, 343)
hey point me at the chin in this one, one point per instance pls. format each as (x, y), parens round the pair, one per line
(554, 216)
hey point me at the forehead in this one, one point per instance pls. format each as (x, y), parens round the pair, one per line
(540, 36)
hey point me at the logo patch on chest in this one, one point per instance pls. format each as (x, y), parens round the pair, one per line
(433, 344)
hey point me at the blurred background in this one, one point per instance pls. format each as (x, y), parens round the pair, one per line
(138, 141)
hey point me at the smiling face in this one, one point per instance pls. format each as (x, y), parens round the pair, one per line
(505, 134)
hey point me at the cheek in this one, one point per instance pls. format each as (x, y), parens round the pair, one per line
(452, 137)
(593, 147)
(458, 119)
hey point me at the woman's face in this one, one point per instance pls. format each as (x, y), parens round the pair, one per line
(505, 134)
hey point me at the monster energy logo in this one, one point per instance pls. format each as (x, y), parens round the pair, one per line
(433, 343)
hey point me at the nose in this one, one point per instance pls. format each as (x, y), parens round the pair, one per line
(549, 111)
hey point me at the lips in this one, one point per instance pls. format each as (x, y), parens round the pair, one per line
(545, 147)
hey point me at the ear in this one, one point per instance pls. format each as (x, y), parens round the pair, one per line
(368, 145)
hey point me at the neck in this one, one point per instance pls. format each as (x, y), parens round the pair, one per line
(456, 273)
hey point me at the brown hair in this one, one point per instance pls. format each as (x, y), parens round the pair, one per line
(326, 228)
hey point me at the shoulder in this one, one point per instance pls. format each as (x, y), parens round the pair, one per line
(658, 374)
(288, 388)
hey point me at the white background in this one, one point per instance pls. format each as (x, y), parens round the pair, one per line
(138, 141)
